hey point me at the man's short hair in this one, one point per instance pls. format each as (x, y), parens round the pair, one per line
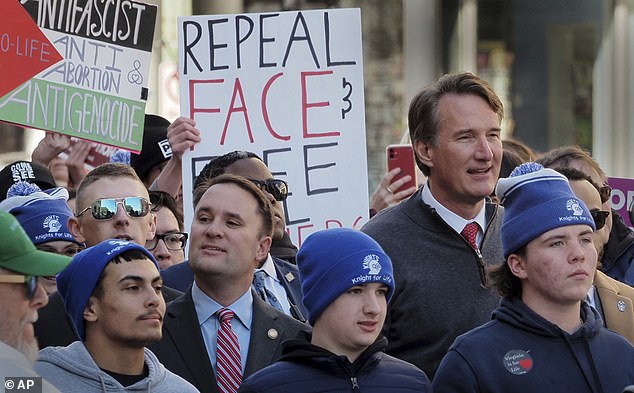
(127, 256)
(423, 110)
(563, 156)
(109, 169)
(265, 210)
(160, 199)
(218, 165)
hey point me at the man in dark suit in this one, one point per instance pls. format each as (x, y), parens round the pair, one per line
(280, 272)
(230, 235)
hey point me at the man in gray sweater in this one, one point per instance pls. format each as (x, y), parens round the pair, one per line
(112, 294)
(442, 239)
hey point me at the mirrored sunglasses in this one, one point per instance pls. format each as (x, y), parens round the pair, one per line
(276, 187)
(174, 241)
(599, 217)
(30, 281)
(105, 209)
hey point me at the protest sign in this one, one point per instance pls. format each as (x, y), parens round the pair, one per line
(622, 197)
(94, 59)
(289, 87)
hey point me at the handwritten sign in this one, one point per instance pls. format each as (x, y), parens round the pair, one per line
(98, 90)
(289, 87)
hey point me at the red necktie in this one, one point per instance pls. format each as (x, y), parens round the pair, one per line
(470, 232)
(228, 365)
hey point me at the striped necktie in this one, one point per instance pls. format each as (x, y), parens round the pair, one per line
(228, 364)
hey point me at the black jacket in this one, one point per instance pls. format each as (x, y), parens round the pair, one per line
(307, 368)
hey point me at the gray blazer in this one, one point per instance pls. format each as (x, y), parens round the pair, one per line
(182, 349)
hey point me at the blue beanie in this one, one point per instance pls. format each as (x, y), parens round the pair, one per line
(536, 200)
(78, 281)
(43, 214)
(333, 260)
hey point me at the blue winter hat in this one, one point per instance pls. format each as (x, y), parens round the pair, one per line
(333, 260)
(536, 200)
(43, 214)
(78, 281)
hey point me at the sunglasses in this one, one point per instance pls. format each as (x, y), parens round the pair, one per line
(174, 241)
(105, 209)
(30, 281)
(605, 192)
(599, 217)
(276, 187)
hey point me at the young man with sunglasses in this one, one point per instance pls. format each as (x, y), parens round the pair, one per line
(617, 260)
(112, 203)
(21, 295)
(276, 279)
(169, 242)
(613, 299)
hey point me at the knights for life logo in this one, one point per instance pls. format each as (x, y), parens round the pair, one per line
(372, 262)
(573, 204)
(52, 223)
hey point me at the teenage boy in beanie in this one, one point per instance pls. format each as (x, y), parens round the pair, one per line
(543, 337)
(44, 217)
(112, 294)
(21, 295)
(347, 283)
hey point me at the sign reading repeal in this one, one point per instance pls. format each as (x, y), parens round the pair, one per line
(94, 59)
(289, 87)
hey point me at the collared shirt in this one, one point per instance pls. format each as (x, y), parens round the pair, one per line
(456, 222)
(208, 322)
(273, 284)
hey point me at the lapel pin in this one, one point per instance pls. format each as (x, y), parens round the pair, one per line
(289, 277)
(272, 333)
(620, 305)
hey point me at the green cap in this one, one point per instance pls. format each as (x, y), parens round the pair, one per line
(18, 253)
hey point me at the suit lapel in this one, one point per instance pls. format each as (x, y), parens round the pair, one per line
(181, 325)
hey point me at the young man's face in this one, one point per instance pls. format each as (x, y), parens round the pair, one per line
(226, 240)
(166, 223)
(91, 231)
(465, 163)
(18, 314)
(557, 268)
(129, 312)
(353, 321)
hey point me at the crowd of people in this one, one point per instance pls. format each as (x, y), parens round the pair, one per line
(506, 270)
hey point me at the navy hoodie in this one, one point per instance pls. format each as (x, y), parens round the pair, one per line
(519, 351)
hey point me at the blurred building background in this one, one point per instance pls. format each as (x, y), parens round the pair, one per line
(562, 67)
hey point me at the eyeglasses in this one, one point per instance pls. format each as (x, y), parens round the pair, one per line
(30, 281)
(105, 209)
(605, 192)
(276, 187)
(599, 217)
(174, 241)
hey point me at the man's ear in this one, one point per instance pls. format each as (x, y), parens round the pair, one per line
(152, 228)
(91, 311)
(517, 266)
(75, 228)
(424, 152)
(263, 248)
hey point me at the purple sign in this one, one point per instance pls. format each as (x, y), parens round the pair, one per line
(622, 196)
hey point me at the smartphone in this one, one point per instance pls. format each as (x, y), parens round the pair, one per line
(402, 156)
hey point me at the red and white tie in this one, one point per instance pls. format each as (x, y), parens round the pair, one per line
(228, 364)
(470, 232)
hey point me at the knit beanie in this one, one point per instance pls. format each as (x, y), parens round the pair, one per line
(536, 200)
(333, 260)
(78, 281)
(25, 171)
(155, 147)
(43, 214)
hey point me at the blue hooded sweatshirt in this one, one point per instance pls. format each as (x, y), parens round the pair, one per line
(519, 351)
